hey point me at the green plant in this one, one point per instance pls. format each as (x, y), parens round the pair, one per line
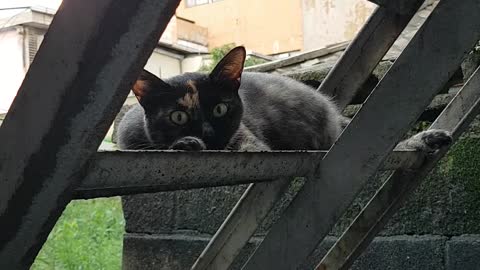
(219, 52)
(88, 235)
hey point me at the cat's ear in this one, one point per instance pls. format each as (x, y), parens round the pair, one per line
(146, 85)
(231, 66)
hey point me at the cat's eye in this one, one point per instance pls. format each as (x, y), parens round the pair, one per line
(220, 110)
(179, 117)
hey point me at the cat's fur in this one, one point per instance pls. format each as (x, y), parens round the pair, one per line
(264, 112)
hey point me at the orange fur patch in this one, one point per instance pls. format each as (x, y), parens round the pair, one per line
(190, 100)
(140, 89)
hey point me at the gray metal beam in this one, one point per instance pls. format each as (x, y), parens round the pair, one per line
(364, 53)
(389, 198)
(78, 81)
(133, 172)
(417, 75)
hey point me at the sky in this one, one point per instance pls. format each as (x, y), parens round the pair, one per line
(19, 3)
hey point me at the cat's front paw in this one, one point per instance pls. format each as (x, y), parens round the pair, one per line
(188, 144)
(430, 141)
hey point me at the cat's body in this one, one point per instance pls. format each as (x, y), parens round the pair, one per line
(281, 113)
(235, 110)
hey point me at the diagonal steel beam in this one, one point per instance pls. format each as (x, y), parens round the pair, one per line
(422, 69)
(389, 198)
(365, 52)
(83, 71)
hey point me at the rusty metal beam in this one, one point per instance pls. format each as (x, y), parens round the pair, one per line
(78, 81)
(133, 172)
(390, 197)
(432, 56)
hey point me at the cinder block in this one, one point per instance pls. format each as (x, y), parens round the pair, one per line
(169, 252)
(179, 251)
(463, 253)
(404, 252)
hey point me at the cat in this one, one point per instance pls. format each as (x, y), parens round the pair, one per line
(235, 110)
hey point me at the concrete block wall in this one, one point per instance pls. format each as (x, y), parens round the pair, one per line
(427, 252)
(438, 228)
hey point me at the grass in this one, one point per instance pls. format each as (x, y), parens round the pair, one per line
(87, 236)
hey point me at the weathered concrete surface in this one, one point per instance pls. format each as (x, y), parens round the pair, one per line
(179, 251)
(172, 252)
(201, 210)
(404, 252)
(463, 253)
(448, 201)
(396, 252)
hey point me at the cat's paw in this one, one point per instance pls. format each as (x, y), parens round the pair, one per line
(430, 141)
(344, 121)
(188, 144)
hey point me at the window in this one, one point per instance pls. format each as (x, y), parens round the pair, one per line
(193, 3)
(34, 39)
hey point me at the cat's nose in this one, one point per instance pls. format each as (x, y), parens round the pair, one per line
(207, 130)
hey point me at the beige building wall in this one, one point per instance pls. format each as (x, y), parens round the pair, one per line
(277, 26)
(332, 21)
(192, 63)
(164, 66)
(264, 26)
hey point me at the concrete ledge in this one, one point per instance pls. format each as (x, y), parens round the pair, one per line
(172, 252)
(179, 251)
(404, 252)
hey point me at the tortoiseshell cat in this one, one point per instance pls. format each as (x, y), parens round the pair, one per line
(236, 110)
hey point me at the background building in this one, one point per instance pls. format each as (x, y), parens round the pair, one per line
(275, 27)
(269, 27)
(181, 49)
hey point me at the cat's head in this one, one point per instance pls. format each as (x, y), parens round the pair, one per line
(206, 106)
